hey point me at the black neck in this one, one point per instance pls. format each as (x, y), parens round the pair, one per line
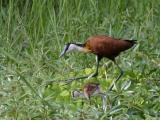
(79, 44)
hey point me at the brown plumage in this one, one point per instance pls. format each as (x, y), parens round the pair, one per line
(101, 46)
(90, 88)
(105, 46)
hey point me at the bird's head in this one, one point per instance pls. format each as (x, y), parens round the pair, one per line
(77, 94)
(71, 47)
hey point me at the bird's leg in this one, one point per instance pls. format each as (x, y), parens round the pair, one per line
(121, 73)
(90, 101)
(98, 58)
(104, 105)
(82, 103)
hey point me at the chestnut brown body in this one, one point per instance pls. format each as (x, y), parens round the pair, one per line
(90, 88)
(109, 47)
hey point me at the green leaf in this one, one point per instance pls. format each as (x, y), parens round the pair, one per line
(64, 93)
(126, 85)
(88, 70)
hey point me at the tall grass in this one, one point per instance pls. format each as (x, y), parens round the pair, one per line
(34, 32)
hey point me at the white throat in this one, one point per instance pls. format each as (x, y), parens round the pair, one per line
(73, 47)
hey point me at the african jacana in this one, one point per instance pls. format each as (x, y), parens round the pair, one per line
(90, 89)
(101, 46)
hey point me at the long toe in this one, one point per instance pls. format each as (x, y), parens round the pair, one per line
(93, 75)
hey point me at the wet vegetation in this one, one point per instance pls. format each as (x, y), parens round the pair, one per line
(32, 35)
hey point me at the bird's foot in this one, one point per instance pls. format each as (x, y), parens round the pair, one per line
(68, 81)
(83, 77)
(73, 79)
(113, 86)
(92, 75)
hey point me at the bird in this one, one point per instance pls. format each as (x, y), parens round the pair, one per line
(91, 89)
(102, 46)
(88, 90)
